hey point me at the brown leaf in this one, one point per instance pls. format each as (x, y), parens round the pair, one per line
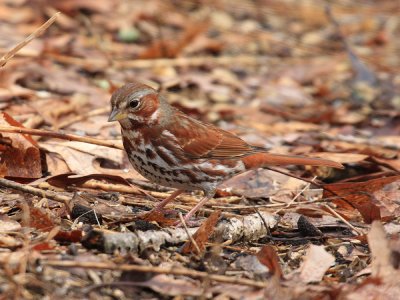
(68, 179)
(363, 197)
(202, 235)
(168, 285)
(7, 224)
(268, 257)
(343, 158)
(252, 184)
(316, 262)
(20, 154)
(40, 220)
(73, 7)
(72, 236)
(393, 164)
(43, 246)
(159, 217)
(380, 251)
(170, 49)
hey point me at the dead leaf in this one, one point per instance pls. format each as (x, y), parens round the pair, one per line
(202, 235)
(81, 158)
(252, 184)
(7, 224)
(158, 216)
(40, 220)
(269, 258)
(8, 241)
(364, 197)
(393, 164)
(68, 179)
(315, 264)
(168, 285)
(252, 265)
(380, 251)
(170, 49)
(343, 158)
(20, 154)
(73, 236)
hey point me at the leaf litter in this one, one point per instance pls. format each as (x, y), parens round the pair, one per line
(296, 77)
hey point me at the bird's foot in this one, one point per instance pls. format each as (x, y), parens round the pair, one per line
(189, 222)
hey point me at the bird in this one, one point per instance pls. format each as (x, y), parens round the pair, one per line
(172, 149)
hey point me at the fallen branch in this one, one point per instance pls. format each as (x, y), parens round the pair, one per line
(246, 228)
(10, 54)
(62, 136)
(151, 269)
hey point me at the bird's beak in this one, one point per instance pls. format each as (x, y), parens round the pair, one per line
(116, 115)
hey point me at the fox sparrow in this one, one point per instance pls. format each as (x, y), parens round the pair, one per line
(174, 150)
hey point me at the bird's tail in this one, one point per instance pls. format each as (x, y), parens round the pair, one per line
(260, 160)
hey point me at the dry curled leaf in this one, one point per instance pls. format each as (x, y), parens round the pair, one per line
(20, 154)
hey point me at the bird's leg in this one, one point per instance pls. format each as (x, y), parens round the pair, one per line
(199, 205)
(163, 203)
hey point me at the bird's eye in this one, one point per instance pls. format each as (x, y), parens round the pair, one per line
(134, 103)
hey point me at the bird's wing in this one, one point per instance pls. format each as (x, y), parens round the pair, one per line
(200, 140)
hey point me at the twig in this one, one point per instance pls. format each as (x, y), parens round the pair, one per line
(10, 54)
(152, 269)
(296, 196)
(271, 205)
(315, 183)
(35, 191)
(342, 219)
(188, 233)
(264, 222)
(62, 136)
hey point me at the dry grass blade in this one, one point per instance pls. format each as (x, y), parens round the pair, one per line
(188, 233)
(10, 54)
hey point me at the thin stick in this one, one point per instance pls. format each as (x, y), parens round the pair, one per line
(188, 233)
(272, 205)
(152, 269)
(307, 186)
(62, 136)
(10, 54)
(35, 191)
(342, 219)
(325, 188)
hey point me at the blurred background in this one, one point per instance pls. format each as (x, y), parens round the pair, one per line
(278, 73)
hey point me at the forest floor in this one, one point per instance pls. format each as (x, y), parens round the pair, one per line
(296, 77)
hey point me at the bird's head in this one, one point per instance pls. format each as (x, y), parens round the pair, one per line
(135, 103)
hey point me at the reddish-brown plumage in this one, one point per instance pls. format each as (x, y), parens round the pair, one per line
(172, 149)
